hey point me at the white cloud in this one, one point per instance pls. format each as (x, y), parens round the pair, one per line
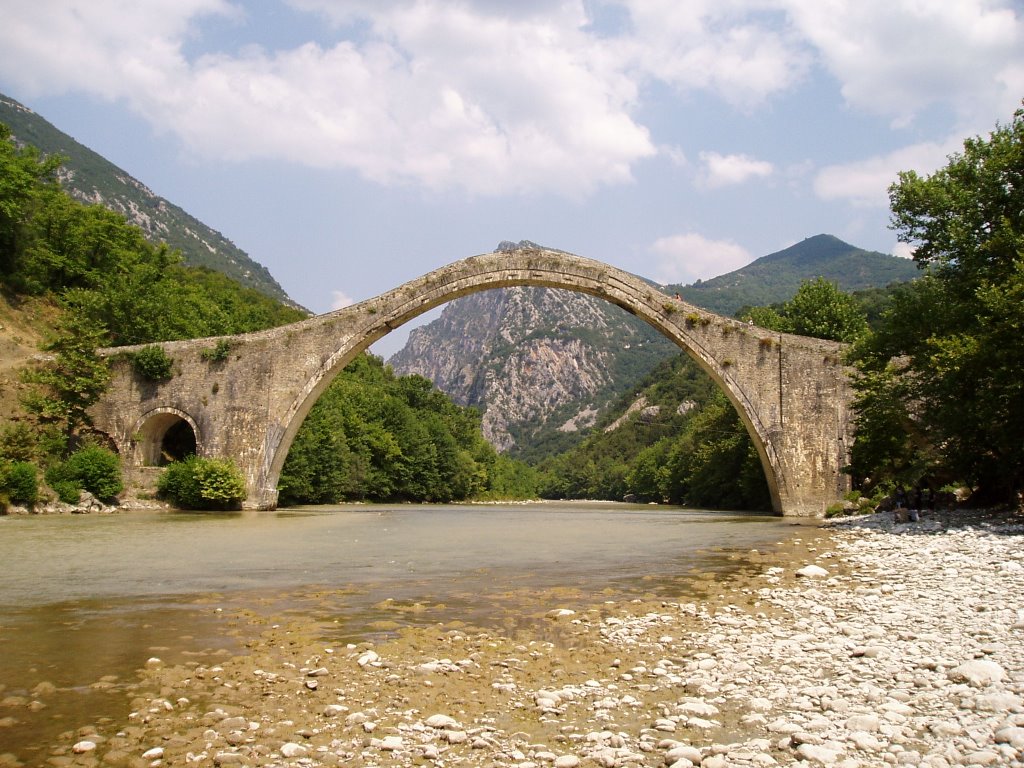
(898, 57)
(738, 50)
(866, 182)
(340, 300)
(726, 170)
(903, 250)
(435, 94)
(109, 47)
(686, 257)
(495, 98)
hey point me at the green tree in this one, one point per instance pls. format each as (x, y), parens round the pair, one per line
(952, 341)
(71, 382)
(821, 310)
(818, 309)
(91, 468)
(769, 317)
(19, 482)
(379, 437)
(25, 180)
(714, 462)
(18, 442)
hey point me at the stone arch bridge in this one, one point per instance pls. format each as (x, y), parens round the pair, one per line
(244, 397)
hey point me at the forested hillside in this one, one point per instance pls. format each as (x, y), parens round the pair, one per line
(676, 438)
(775, 278)
(374, 436)
(86, 278)
(91, 178)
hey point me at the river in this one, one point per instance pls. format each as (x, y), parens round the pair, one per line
(86, 600)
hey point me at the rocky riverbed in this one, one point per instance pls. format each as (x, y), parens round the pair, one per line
(861, 644)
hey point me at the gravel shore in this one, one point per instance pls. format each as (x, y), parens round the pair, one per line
(898, 645)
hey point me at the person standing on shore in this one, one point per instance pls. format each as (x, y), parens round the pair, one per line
(901, 503)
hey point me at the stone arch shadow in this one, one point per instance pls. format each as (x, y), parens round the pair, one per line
(390, 311)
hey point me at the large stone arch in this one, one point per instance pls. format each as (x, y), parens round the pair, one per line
(791, 392)
(495, 276)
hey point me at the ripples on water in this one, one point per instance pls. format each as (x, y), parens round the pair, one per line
(90, 597)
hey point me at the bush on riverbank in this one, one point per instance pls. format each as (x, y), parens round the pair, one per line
(93, 468)
(199, 483)
(19, 483)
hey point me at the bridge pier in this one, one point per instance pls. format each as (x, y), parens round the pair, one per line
(792, 393)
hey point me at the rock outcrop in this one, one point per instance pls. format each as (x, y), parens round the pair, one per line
(533, 359)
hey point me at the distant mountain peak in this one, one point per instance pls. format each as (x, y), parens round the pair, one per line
(776, 277)
(507, 246)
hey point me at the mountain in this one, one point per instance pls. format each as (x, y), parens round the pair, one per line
(540, 363)
(545, 365)
(774, 278)
(91, 178)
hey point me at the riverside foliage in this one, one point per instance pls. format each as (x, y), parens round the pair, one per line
(201, 483)
(940, 397)
(688, 445)
(379, 437)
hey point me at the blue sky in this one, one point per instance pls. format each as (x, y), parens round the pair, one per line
(352, 146)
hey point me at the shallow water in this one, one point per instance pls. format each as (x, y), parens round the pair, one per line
(85, 600)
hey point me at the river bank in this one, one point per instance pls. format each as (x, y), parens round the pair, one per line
(907, 650)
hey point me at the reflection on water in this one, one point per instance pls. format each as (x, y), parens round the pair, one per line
(85, 600)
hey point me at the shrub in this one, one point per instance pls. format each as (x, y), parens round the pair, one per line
(153, 363)
(17, 443)
(217, 353)
(20, 480)
(92, 468)
(836, 510)
(67, 491)
(198, 483)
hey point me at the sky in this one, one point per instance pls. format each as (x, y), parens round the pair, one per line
(353, 145)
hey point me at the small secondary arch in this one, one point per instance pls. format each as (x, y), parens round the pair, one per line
(164, 435)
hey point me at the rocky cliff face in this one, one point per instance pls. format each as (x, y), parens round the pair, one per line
(534, 360)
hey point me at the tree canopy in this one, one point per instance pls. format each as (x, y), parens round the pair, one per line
(375, 436)
(817, 309)
(940, 397)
